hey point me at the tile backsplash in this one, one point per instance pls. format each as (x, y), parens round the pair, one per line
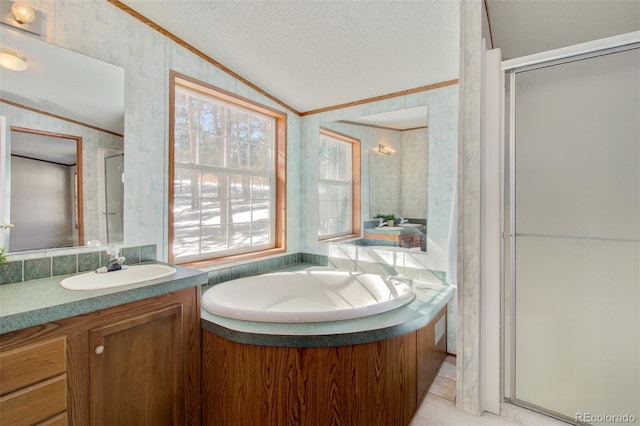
(50, 266)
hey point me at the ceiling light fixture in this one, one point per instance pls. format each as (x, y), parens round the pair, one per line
(383, 149)
(12, 60)
(22, 14)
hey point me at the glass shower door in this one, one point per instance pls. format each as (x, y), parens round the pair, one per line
(577, 239)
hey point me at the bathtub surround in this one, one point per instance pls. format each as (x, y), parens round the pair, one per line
(384, 261)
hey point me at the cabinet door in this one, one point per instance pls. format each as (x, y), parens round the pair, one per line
(136, 370)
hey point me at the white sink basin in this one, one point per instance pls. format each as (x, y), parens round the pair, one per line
(131, 275)
(410, 225)
(389, 228)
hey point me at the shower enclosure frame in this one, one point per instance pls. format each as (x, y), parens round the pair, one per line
(510, 69)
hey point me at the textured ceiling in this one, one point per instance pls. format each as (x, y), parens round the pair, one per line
(317, 54)
(524, 27)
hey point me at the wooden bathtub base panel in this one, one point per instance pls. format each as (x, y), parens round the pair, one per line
(379, 383)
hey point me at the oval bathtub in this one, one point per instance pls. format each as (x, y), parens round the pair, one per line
(306, 296)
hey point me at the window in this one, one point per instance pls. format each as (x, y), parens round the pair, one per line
(338, 185)
(227, 168)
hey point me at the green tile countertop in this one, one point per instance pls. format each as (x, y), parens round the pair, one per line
(388, 231)
(413, 316)
(392, 231)
(35, 302)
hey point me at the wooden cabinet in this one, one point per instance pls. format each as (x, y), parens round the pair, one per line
(33, 385)
(407, 238)
(410, 240)
(134, 364)
(141, 357)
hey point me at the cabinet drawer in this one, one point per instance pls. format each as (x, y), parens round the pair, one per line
(35, 403)
(31, 364)
(59, 420)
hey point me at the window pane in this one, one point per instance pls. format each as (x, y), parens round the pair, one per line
(260, 131)
(237, 125)
(332, 170)
(240, 211)
(344, 165)
(323, 191)
(182, 146)
(218, 114)
(334, 192)
(334, 186)
(260, 158)
(260, 210)
(261, 187)
(214, 239)
(260, 233)
(186, 240)
(324, 208)
(239, 235)
(240, 186)
(210, 213)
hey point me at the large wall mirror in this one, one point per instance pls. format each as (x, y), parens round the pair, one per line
(61, 147)
(395, 145)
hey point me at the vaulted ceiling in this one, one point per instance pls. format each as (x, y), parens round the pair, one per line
(312, 55)
(316, 54)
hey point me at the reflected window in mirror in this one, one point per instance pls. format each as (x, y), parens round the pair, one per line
(227, 170)
(338, 185)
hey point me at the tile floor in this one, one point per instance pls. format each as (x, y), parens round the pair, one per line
(439, 409)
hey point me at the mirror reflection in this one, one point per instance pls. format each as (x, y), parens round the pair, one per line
(396, 144)
(61, 148)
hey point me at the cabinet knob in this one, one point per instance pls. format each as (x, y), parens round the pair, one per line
(99, 350)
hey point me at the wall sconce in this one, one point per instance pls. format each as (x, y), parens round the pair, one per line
(21, 16)
(12, 60)
(383, 149)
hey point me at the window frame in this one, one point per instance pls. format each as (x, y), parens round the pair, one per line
(280, 167)
(356, 225)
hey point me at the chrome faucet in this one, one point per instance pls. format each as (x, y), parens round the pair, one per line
(382, 223)
(403, 220)
(402, 279)
(116, 262)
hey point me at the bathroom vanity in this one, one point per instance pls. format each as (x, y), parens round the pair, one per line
(134, 362)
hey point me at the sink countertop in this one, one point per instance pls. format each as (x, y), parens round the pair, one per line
(417, 314)
(393, 231)
(35, 302)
